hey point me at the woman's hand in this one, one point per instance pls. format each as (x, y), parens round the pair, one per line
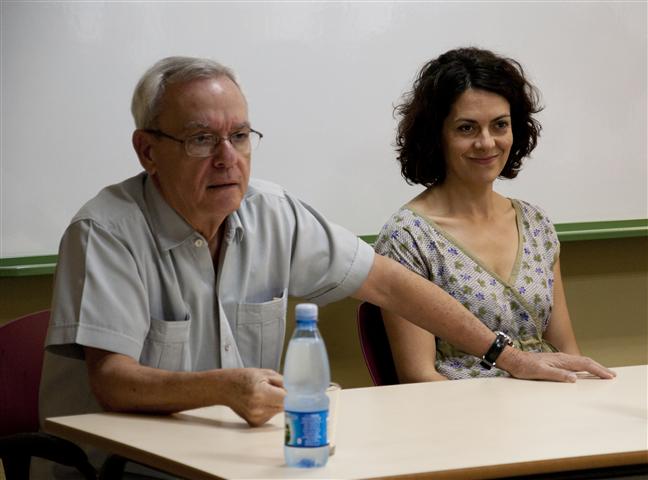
(558, 367)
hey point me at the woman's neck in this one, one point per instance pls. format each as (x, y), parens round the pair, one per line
(453, 200)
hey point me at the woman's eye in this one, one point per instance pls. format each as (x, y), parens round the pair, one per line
(502, 124)
(467, 128)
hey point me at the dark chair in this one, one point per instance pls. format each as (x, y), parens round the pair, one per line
(375, 345)
(21, 360)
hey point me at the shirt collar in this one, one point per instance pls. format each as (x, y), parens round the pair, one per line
(234, 227)
(169, 226)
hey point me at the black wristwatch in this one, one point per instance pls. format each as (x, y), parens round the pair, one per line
(489, 358)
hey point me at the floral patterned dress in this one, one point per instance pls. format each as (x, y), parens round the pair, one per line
(519, 306)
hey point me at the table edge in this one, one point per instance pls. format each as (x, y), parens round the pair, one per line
(568, 464)
(473, 473)
(112, 446)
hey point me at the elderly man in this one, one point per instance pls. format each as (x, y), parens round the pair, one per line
(171, 287)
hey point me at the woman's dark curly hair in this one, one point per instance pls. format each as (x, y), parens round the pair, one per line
(419, 141)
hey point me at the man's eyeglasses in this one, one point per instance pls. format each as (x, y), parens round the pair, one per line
(206, 144)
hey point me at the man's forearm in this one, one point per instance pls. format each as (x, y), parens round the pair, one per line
(122, 384)
(393, 287)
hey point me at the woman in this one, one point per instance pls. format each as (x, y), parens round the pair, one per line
(468, 121)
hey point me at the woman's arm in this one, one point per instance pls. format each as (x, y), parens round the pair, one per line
(413, 349)
(559, 332)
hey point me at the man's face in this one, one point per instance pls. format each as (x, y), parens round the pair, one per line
(204, 190)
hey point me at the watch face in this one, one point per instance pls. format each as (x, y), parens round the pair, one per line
(504, 339)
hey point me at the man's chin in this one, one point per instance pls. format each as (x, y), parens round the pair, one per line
(216, 201)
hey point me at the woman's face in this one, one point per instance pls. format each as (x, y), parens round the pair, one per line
(477, 137)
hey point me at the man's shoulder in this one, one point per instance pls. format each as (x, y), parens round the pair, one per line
(270, 202)
(258, 187)
(114, 203)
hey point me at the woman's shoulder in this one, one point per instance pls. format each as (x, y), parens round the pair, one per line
(405, 226)
(538, 228)
(401, 217)
(530, 212)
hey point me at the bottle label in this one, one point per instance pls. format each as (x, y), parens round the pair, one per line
(306, 429)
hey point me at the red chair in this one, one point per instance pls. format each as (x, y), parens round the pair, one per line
(375, 345)
(21, 360)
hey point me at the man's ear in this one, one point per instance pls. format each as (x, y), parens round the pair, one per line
(143, 148)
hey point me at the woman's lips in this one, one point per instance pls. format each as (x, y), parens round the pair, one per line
(484, 160)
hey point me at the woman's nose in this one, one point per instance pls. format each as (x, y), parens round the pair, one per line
(485, 140)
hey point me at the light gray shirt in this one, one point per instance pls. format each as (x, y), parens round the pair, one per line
(134, 278)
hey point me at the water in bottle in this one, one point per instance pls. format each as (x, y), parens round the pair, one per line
(306, 377)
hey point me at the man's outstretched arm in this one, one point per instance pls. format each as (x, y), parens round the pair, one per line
(397, 289)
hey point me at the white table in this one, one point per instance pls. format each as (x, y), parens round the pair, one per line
(463, 429)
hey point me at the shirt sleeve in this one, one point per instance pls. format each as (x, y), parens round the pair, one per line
(328, 262)
(99, 298)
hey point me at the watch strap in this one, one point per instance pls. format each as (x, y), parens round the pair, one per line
(496, 348)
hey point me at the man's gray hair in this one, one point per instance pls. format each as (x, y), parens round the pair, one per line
(150, 89)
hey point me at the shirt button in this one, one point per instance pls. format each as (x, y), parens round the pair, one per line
(227, 347)
(199, 242)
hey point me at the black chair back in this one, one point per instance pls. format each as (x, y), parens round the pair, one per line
(375, 345)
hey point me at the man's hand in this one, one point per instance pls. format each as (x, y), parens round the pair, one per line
(559, 367)
(256, 394)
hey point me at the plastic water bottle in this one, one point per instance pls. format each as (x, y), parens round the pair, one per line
(306, 378)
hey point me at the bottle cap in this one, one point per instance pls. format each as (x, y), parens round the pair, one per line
(305, 312)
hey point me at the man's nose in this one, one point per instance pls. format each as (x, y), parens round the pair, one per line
(226, 155)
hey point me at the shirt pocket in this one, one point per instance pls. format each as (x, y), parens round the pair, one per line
(167, 345)
(260, 330)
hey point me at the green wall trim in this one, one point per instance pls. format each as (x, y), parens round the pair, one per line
(370, 239)
(27, 266)
(602, 230)
(567, 232)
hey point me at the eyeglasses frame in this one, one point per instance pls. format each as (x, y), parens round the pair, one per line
(221, 139)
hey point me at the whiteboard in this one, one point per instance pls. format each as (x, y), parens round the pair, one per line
(321, 80)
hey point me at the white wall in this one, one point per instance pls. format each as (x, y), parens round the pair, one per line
(321, 79)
